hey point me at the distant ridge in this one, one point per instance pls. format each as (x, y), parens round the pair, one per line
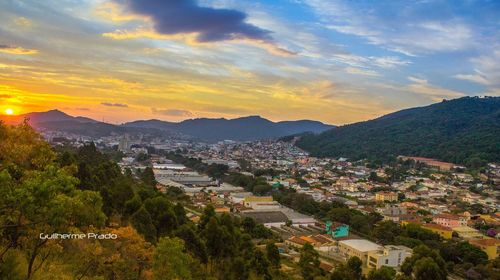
(463, 131)
(204, 129)
(239, 129)
(48, 116)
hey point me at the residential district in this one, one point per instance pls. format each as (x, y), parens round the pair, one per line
(287, 187)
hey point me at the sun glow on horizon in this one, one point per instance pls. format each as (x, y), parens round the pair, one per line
(9, 111)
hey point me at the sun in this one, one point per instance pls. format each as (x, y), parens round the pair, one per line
(9, 111)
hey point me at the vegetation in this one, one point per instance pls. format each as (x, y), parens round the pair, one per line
(305, 203)
(84, 191)
(309, 262)
(463, 131)
(458, 257)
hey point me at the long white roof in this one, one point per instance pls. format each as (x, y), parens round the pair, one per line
(361, 245)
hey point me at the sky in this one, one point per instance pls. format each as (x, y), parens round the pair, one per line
(334, 61)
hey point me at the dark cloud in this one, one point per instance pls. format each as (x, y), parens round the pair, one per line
(5, 96)
(185, 16)
(172, 112)
(114, 104)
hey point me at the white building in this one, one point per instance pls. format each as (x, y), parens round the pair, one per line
(171, 166)
(390, 255)
(373, 255)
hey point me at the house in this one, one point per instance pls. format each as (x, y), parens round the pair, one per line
(449, 220)
(392, 210)
(390, 255)
(222, 209)
(326, 266)
(320, 242)
(373, 255)
(386, 196)
(261, 203)
(444, 232)
(357, 248)
(403, 218)
(193, 217)
(430, 162)
(490, 246)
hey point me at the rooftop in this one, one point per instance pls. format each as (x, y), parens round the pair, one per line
(485, 242)
(361, 245)
(258, 199)
(266, 217)
(448, 216)
(436, 226)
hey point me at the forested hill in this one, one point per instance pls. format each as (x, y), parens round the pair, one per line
(240, 129)
(463, 131)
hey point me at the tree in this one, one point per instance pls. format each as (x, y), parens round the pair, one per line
(352, 270)
(261, 265)
(214, 242)
(142, 157)
(193, 242)
(208, 213)
(309, 262)
(239, 269)
(341, 215)
(386, 231)
(436, 261)
(342, 272)
(260, 231)
(37, 196)
(180, 213)
(148, 177)
(142, 222)
(127, 257)
(426, 268)
(248, 224)
(262, 189)
(97, 172)
(131, 206)
(162, 215)
(170, 260)
(273, 254)
(471, 254)
(216, 170)
(354, 264)
(227, 221)
(383, 273)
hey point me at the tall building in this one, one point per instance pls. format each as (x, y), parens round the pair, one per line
(124, 145)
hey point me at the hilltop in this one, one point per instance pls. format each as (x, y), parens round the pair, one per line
(464, 131)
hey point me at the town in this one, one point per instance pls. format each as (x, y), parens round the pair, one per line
(291, 193)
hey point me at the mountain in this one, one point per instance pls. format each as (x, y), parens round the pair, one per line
(464, 131)
(48, 116)
(55, 120)
(239, 129)
(301, 126)
(210, 130)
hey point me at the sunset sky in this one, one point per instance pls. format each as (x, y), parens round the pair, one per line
(333, 61)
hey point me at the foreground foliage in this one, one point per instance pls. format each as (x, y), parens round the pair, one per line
(84, 191)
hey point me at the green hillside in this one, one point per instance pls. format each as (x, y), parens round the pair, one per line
(463, 131)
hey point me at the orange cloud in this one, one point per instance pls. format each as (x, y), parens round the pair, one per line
(17, 50)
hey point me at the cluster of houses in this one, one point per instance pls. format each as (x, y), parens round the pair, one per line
(439, 199)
